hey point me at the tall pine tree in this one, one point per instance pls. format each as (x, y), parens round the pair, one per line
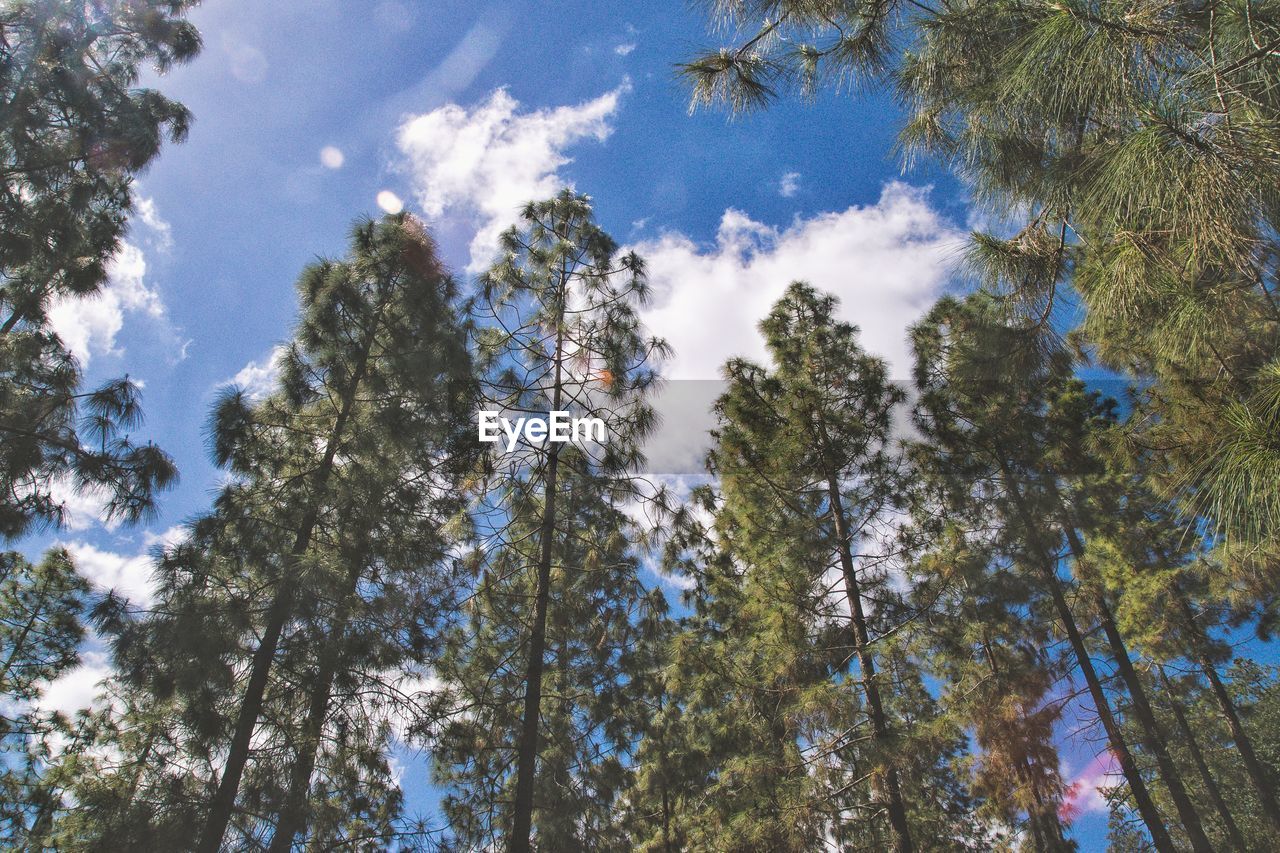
(74, 131)
(322, 571)
(535, 719)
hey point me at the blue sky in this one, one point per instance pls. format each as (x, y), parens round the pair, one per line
(305, 112)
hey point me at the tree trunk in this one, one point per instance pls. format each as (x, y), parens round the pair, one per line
(1258, 775)
(889, 791)
(1137, 787)
(522, 815)
(1048, 573)
(224, 800)
(1210, 784)
(1153, 737)
(293, 815)
(527, 757)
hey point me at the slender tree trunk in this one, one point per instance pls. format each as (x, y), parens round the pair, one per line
(1137, 787)
(224, 799)
(1037, 837)
(1258, 775)
(889, 792)
(1153, 736)
(11, 322)
(293, 816)
(522, 816)
(1202, 767)
(527, 756)
(1049, 575)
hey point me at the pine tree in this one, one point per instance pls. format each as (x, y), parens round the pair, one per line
(1171, 595)
(73, 133)
(835, 402)
(992, 400)
(42, 622)
(534, 723)
(321, 573)
(1140, 142)
(987, 644)
(801, 712)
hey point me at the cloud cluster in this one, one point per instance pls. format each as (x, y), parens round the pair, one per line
(488, 161)
(1085, 793)
(129, 576)
(89, 325)
(258, 378)
(886, 262)
(77, 688)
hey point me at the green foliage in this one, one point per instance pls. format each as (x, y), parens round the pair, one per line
(541, 683)
(798, 714)
(1140, 141)
(42, 611)
(73, 133)
(322, 569)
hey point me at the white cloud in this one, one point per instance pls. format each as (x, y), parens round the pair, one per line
(82, 506)
(162, 233)
(164, 538)
(625, 49)
(488, 161)
(789, 185)
(76, 688)
(128, 576)
(89, 325)
(331, 157)
(886, 262)
(258, 378)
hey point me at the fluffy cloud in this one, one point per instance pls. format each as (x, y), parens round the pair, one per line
(161, 234)
(886, 262)
(89, 326)
(258, 378)
(128, 576)
(76, 688)
(82, 506)
(1085, 793)
(486, 162)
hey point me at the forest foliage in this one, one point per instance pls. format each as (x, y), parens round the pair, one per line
(905, 601)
